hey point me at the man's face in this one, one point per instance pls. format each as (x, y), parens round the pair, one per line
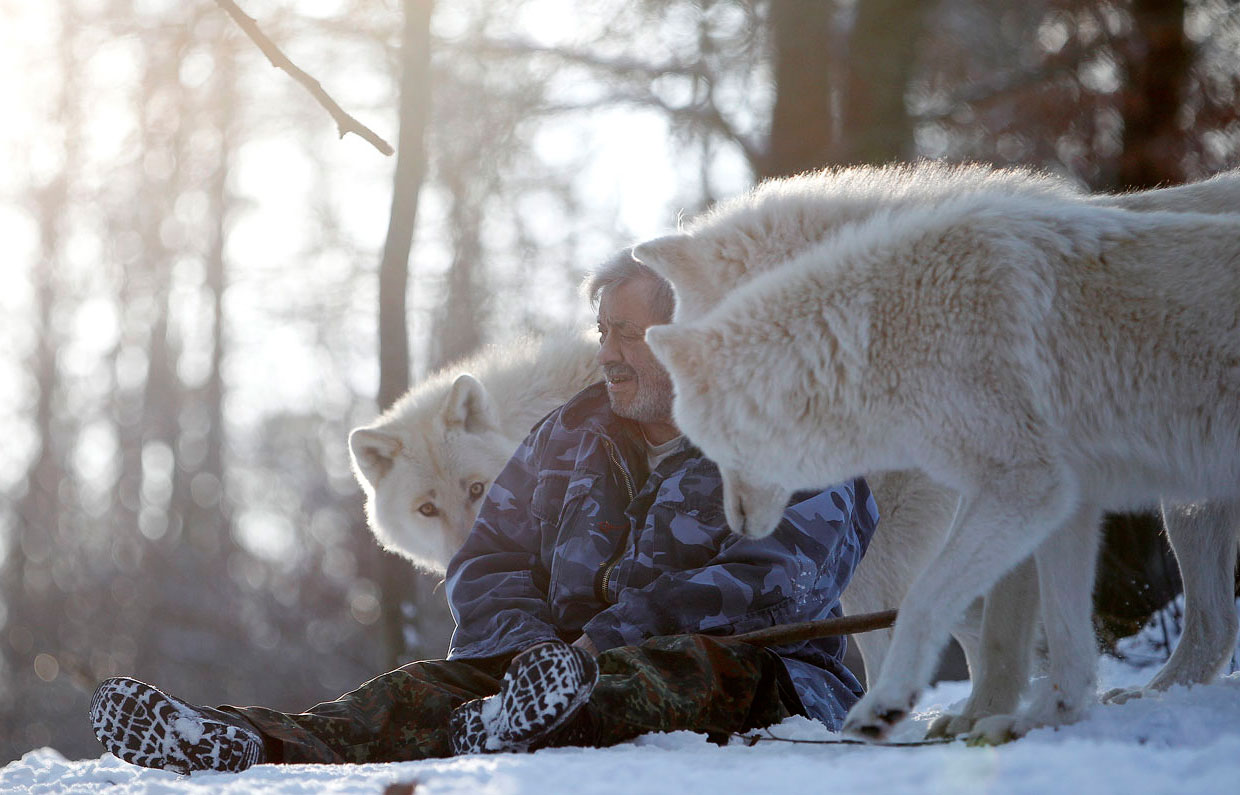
(637, 384)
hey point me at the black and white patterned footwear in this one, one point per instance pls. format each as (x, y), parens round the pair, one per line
(543, 688)
(145, 726)
(469, 733)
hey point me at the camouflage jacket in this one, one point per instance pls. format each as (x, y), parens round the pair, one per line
(575, 536)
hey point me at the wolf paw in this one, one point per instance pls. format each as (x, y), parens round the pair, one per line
(1000, 729)
(1119, 695)
(949, 726)
(873, 720)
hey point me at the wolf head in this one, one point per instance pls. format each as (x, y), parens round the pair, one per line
(710, 410)
(772, 386)
(425, 468)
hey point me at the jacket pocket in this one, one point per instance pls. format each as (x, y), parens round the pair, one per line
(548, 497)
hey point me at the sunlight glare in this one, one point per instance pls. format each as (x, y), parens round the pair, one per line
(548, 22)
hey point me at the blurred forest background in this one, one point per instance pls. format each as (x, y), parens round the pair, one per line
(195, 270)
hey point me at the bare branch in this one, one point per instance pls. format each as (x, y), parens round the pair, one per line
(809, 630)
(706, 114)
(701, 112)
(1003, 85)
(620, 66)
(344, 122)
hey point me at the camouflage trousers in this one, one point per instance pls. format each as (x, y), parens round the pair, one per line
(682, 682)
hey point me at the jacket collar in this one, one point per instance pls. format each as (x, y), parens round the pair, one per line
(589, 411)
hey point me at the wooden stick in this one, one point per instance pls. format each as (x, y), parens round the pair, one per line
(344, 122)
(827, 627)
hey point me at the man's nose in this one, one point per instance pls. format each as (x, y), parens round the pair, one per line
(609, 351)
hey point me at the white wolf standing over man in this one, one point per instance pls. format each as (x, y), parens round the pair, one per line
(1044, 358)
(744, 237)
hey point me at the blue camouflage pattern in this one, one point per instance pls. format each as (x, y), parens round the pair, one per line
(576, 536)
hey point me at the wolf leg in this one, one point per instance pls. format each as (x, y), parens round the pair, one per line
(993, 531)
(916, 515)
(1065, 574)
(999, 666)
(1204, 538)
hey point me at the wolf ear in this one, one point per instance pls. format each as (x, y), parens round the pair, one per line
(373, 450)
(469, 406)
(677, 258)
(671, 257)
(677, 347)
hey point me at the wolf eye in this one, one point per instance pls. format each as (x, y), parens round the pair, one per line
(477, 489)
(428, 509)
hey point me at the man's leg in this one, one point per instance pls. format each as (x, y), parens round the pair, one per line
(399, 716)
(684, 682)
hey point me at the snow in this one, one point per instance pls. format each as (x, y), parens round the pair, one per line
(1182, 741)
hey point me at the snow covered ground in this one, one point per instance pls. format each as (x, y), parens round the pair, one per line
(1185, 742)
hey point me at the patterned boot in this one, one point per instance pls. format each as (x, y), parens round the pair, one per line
(543, 688)
(145, 726)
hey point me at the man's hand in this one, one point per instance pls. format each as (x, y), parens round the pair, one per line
(584, 642)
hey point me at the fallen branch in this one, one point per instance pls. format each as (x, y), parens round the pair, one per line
(344, 122)
(827, 627)
(753, 739)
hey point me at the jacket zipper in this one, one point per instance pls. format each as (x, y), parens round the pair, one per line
(610, 564)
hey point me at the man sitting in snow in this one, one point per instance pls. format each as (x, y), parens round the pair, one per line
(592, 599)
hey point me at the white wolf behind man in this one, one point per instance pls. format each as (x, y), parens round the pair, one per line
(749, 235)
(1200, 667)
(427, 462)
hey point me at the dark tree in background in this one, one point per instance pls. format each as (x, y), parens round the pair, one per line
(805, 56)
(882, 54)
(1137, 572)
(402, 589)
(1157, 59)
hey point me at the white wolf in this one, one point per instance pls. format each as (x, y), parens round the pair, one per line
(741, 238)
(426, 463)
(746, 236)
(1044, 358)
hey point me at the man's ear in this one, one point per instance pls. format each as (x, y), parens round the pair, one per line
(373, 450)
(468, 406)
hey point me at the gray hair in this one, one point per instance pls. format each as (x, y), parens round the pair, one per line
(624, 268)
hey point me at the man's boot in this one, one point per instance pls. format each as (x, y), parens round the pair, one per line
(145, 726)
(545, 686)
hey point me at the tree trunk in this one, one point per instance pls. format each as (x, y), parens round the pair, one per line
(802, 120)
(33, 601)
(838, 108)
(1137, 573)
(882, 54)
(1157, 60)
(395, 576)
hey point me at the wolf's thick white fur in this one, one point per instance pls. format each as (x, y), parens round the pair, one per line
(749, 235)
(445, 440)
(780, 218)
(741, 238)
(1044, 358)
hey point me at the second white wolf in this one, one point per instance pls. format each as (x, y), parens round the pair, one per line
(426, 463)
